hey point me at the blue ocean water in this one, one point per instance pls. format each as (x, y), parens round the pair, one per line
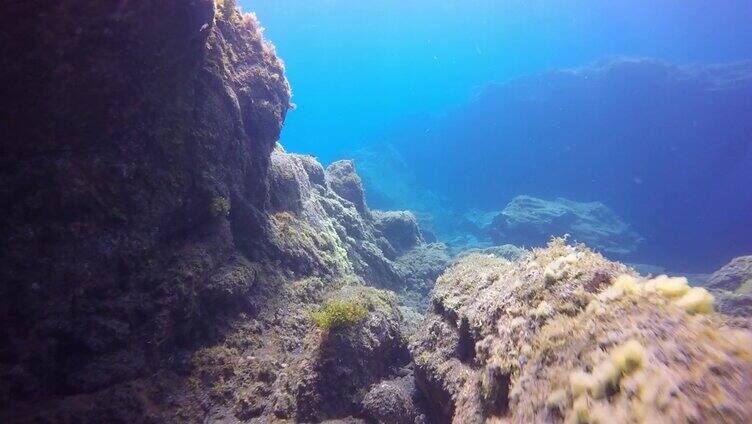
(454, 106)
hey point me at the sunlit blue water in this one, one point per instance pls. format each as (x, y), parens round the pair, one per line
(470, 97)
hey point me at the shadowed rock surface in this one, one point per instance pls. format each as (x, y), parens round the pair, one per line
(137, 139)
(159, 256)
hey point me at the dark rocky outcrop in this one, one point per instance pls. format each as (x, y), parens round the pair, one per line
(341, 365)
(399, 227)
(159, 253)
(395, 402)
(135, 153)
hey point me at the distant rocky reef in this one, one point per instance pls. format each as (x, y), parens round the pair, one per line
(530, 221)
(165, 260)
(667, 146)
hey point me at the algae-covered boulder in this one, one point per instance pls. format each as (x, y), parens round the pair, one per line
(399, 227)
(530, 221)
(564, 335)
(343, 362)
(734, 276)
(732, 287)
(344, 181)
(134, 173)
(418, 269)
(395, 401)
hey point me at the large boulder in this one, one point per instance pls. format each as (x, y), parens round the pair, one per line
(395, 401)
(418, 269)
(732, 287)
(735, 275)
(565, 335)
(342, 363)
(530, 221)
(134, 173)
(399, 227)
(344, 181)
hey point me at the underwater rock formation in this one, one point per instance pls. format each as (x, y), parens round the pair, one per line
(319, 232)
(564, 335)
(342, 364)
(530, 221)
(160, 254)
(165, 260)
(418, 269)
(342, 178)
(732, 287)
(137, 140)
(400, 228)
(734, 276)
(657, 142)
(395, 401)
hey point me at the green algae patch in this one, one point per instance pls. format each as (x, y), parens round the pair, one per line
(338, 313)
(220, 206)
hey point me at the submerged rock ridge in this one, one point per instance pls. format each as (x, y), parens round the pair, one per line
(530, 221)
(564, 335)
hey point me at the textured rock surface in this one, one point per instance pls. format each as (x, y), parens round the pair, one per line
(507, 251)
(418, 269)
(395, 402)
(732, 287)
(137, 139)
(159, 254)
(399, 227)
(503, 340)
(735, 275)
(529, 221)
(342, 178)
(341, 365)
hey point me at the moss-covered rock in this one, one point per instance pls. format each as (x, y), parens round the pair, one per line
(566, 335)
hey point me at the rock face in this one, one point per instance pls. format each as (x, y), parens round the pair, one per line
(400, 228)
(735, 275)
(341, 366)
(319, 231)
(550, 338)
(530, 221)
(342, 178)
(136, 149)
(732, 287)
(159, 253)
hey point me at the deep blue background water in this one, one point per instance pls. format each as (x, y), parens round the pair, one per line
(671, 156)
